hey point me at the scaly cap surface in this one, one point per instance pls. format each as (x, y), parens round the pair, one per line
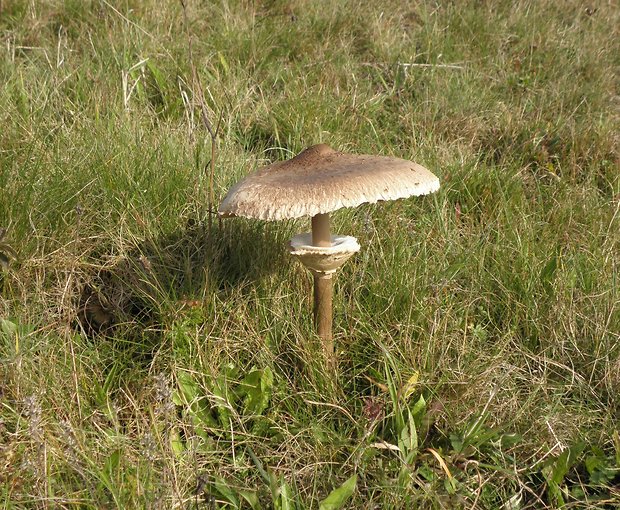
(320, 180)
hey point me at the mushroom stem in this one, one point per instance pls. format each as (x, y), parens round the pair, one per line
(323, 292)
(321, 235)
(323, 288)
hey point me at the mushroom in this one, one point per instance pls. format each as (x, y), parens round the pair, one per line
(314, 183)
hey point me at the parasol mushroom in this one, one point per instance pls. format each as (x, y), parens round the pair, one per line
(314, 183)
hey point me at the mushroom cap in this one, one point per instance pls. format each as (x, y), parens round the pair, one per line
(320, 180)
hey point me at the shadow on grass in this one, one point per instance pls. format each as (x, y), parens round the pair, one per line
(159, 276)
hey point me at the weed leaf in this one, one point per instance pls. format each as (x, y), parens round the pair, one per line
(226, 492)
(599, 467)
(8, 328)
(256, 387)
(176, 443)
(252, 499)
(338, 497)
(547, 274)
(557, 468)
(411, 384)
(286, 497)
(409, 437)
(112, 463)
(419, 409)
(224, 63)
(188, 389)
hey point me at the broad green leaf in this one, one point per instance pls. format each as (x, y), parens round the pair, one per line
(510, 440)
(555, 494)
(286, 497)
(273, 486)
(600, 468)
(564, 462)
(450, 484)
(594, 462)
(112, 463)
(223, 399)
(476, 432)
(223, 389)
(411, 385)
(427, 473)
(457, 442)
(548, 272)
(201, 417)
(226, 492)
(409, 437)
(557, 468)
(158, 78)
(176, 443)
(224, 63)
(419, 409)
(8, 328)
(400, 78)
(252, 498)
(188, 389)
(338, 497)
(257, 388)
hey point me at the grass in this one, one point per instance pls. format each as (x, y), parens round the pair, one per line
(148, 360)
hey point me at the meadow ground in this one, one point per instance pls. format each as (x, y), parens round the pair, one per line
(153, 357)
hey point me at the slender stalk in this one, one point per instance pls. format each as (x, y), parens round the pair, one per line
(211, 174)
(323, 293)
(198, 92)
(321, 234)
(323, 287)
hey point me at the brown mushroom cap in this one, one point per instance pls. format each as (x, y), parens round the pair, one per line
(320, 180)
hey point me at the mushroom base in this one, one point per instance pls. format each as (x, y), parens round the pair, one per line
(323, 261)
